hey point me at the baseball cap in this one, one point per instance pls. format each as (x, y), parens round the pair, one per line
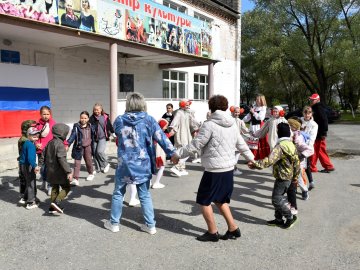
(314, 96)
(32, 131)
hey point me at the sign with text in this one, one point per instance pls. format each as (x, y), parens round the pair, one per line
(141, 21)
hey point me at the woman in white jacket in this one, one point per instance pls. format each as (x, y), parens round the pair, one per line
(216, 142)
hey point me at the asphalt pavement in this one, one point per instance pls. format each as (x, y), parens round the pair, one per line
(327, 235)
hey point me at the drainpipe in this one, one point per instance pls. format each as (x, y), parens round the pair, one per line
(211, 79)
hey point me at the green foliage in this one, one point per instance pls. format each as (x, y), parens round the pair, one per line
(292, 48)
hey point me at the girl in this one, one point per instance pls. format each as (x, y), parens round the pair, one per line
(44, 125)
(83, 135)
(103, 129)
(87, 21)
(256, 117)
(160, 157)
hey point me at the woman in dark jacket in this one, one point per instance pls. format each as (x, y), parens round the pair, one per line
(82, 135)
(103, 129)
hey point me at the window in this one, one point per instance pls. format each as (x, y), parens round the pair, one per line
(177, 7)
(10, 56)
(201, 89)
(174, 84)
(202, 18)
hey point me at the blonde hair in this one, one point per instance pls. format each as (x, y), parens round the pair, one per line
(307, 109)
(99, 105)
(262, 99)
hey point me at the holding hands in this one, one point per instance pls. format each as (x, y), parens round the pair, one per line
(251, 165)
(175, 158)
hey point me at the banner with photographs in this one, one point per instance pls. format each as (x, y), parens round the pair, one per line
(141, 21)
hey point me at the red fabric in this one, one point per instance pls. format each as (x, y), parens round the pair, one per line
(44, 141)
(10, 122)
(263, 147)
(321, 154)
(159, 162)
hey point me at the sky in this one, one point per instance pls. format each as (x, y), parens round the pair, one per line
(246, 5)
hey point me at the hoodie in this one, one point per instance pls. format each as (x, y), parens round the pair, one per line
(136, 132)
(54, 156)
(216, 142)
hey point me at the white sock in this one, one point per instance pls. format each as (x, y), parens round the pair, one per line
(159, 174)
(133, 191)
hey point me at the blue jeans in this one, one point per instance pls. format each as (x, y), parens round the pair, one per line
(145, 201)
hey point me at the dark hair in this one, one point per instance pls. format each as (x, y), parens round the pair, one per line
(45, 108)
(85, 112)
(170, 104)
(218, 102)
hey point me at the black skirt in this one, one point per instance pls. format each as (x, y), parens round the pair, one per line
(215, 187)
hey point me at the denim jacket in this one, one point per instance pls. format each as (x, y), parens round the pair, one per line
(136, 152)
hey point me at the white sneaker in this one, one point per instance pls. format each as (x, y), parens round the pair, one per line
(293, 211)
(237, 172)
(196, 160)
(175, 171)
(22, 201)
(145, 228)
(74, 182)
(94, 173)
(90, 177)
(134, 202)
(31, 206)
(183, 172)
(111, 227)
(158, 185)
(106, 169)
(49, 191)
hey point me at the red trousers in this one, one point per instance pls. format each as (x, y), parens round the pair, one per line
(321, 154)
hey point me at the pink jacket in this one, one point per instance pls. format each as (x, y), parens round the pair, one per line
(44, 140)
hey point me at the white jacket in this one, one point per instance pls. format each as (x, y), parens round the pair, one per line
(270, 127)
(216, 142)
(311, 128)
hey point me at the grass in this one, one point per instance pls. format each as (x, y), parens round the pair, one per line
(347, 117)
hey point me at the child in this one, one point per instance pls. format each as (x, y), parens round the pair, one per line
(243, 130)
(58, 171)
(103, 129)
(29, 168)
(82, 134)
(25, 125)
(286, 169)
(44, 125)
(269, 127)
(160, 157)
(304, 151)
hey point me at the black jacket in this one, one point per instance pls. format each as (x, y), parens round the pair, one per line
(76, 138)
(108, 130)
(321, 119)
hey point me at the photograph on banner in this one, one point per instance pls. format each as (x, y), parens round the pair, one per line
(206, 42)
(192, 42)
(135, 30)
(174, 37)
(111, 18)
(38, 10)
(79, 14)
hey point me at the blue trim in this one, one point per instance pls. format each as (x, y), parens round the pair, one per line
(20, 98)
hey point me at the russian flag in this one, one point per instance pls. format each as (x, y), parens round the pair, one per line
(23, 90)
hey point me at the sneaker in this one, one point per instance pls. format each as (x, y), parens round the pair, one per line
(305, 195)
(158, 185)
(311, 186)
(290, 222)
(196, 160)
(176, 171)
(22, 201)
(94, 173)
(294, 211)
(106, 169)
(147, 229)
(90, 177)
(134, 202)
(111, 227)
(231, 235)
(57, 207)
(275, 222)
(32, 205)
(237, 172)
(49, 191)
(52, 210)
(74, 182)
(209, 237)
(183, 172)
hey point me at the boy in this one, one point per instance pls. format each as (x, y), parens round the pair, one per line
(28, 168)
(58, 171)
(286, 169)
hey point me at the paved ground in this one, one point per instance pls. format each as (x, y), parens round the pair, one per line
(327, 235)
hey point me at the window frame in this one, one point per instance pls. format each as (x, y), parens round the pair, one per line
(171, 81)
(175, 6)
(198, 84)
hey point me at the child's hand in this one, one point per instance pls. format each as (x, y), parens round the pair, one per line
(251, 165)
(38, 146)
(70, 176)
(37, 169)
(175, 159)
